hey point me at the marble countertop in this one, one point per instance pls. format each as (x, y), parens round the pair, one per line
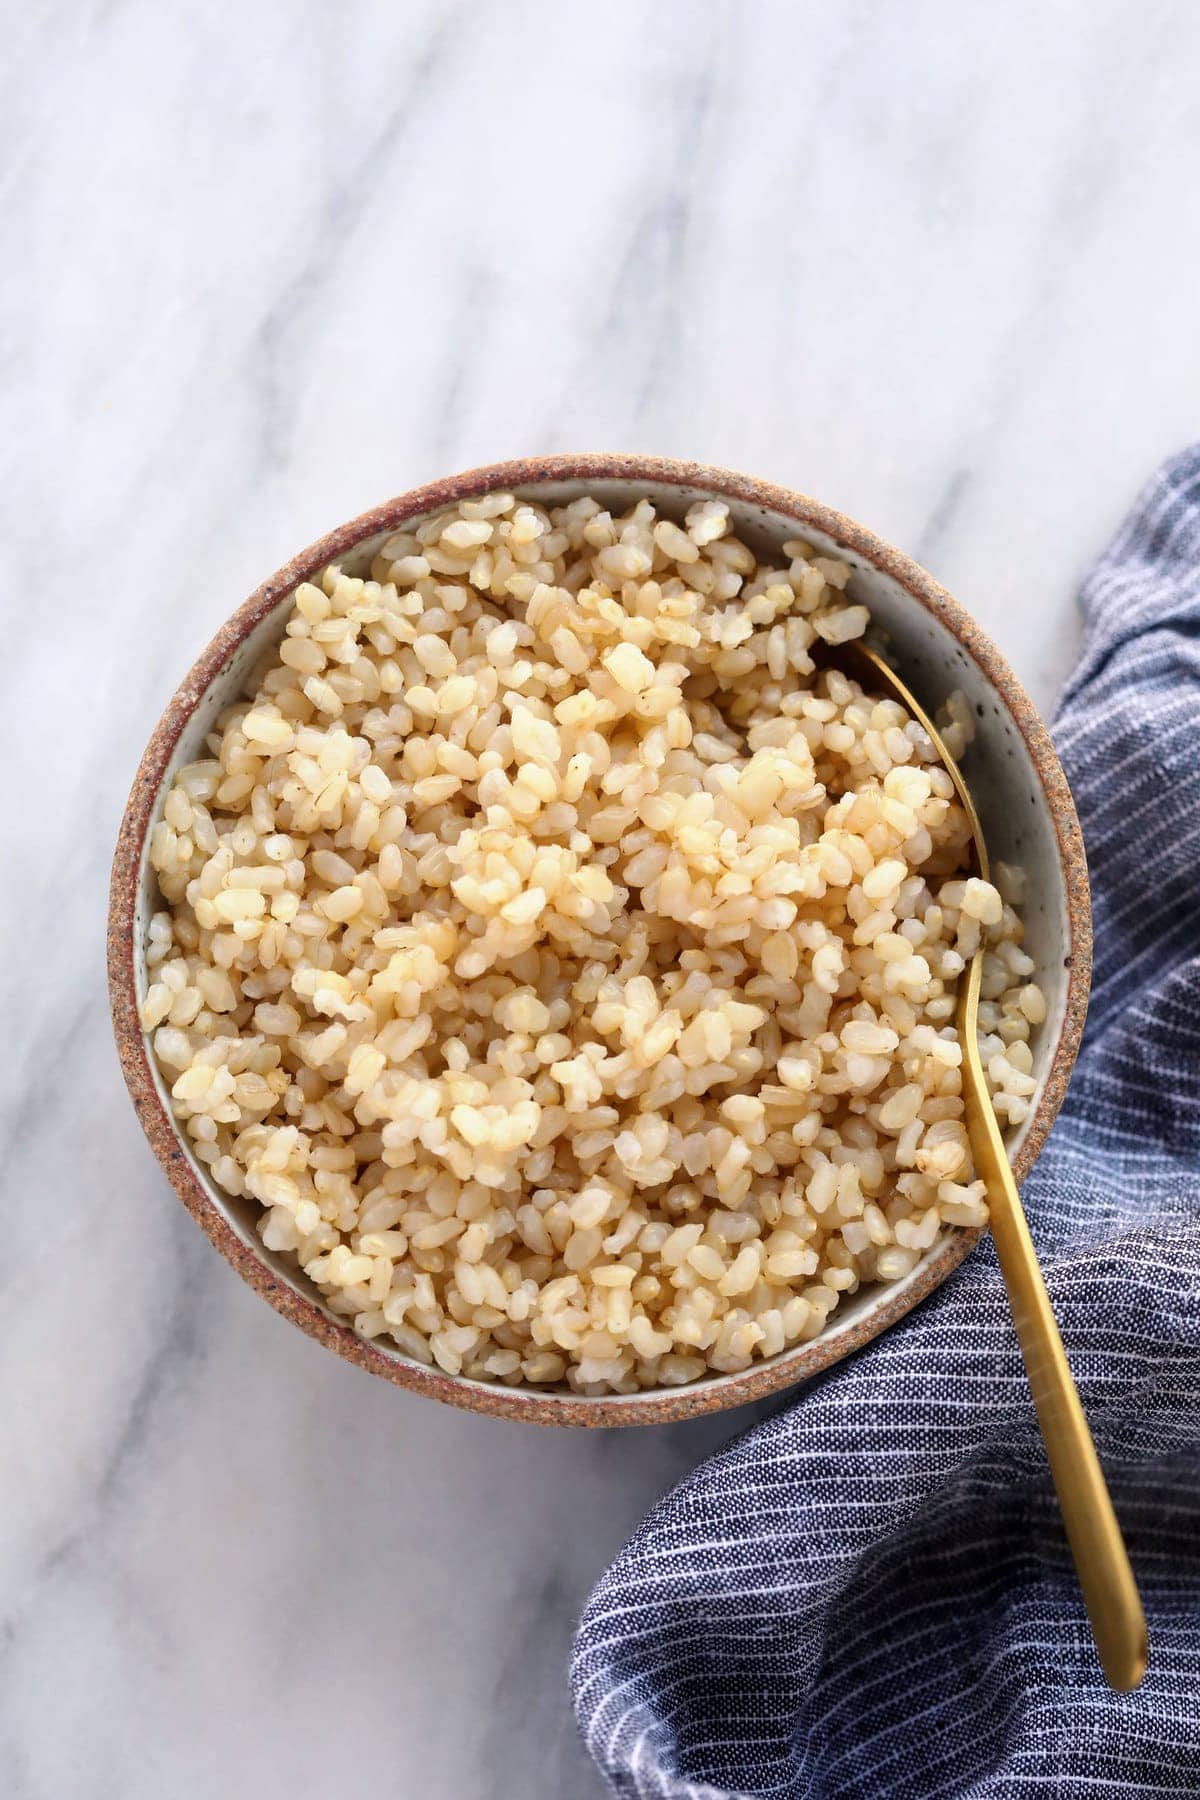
(265, 266)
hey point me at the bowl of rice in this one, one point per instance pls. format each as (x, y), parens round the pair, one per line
(534, 957)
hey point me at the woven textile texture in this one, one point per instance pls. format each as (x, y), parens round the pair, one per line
(869, 1593)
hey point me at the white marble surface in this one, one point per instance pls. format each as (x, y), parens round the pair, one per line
(265, 265)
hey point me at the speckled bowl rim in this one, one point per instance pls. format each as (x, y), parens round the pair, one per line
(558, 1408)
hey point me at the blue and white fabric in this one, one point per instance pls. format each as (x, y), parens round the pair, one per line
(869, 1593)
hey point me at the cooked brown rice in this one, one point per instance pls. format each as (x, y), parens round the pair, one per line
(564, 966)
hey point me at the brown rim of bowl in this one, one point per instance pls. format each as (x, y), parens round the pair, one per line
(529, 1404)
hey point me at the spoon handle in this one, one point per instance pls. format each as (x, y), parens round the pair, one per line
(1101, 1560)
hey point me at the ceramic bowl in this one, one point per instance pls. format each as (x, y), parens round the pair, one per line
(1022, 794)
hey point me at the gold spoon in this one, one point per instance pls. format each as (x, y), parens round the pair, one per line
(1101, 1560)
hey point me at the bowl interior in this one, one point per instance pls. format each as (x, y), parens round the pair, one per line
(1012, 803)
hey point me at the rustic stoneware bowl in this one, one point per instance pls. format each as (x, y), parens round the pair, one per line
(1022, 794)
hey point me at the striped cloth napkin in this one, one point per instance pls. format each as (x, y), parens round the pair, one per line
(869, 1593)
